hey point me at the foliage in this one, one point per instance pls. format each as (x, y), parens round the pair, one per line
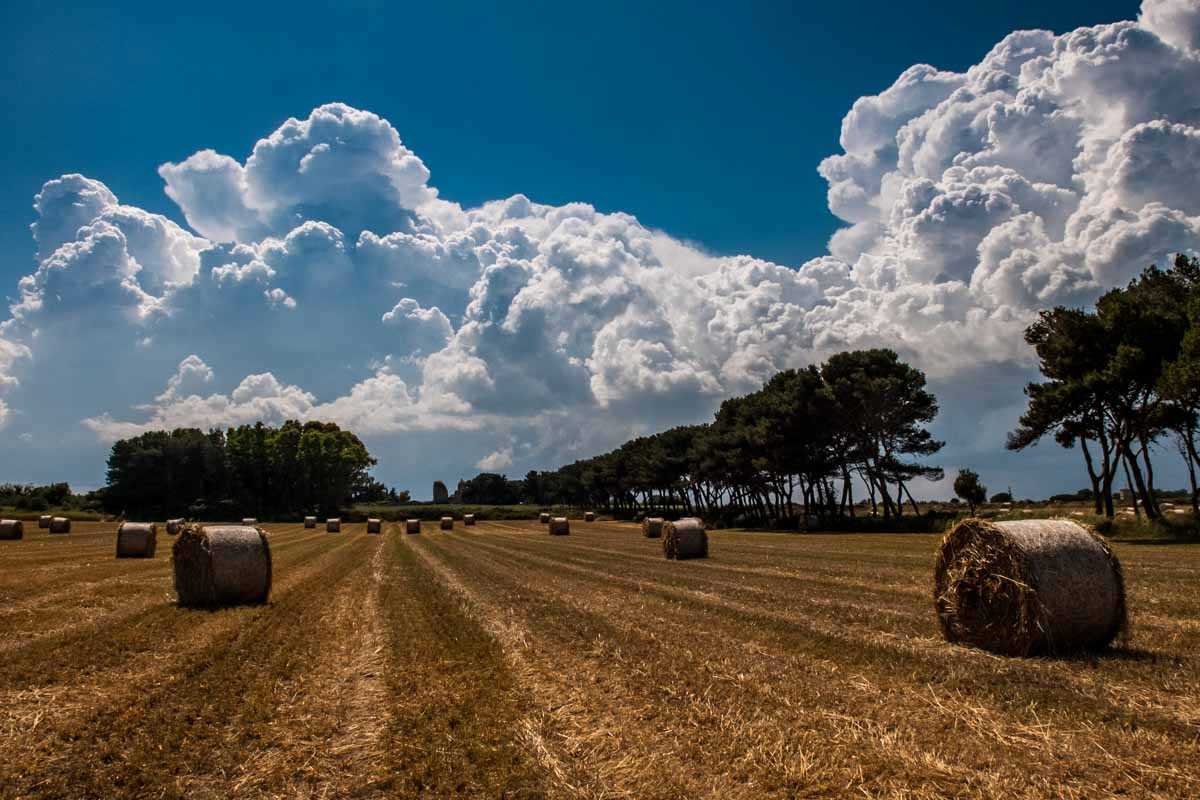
(250, 469)
(794, 449)
(968, 487)
(1120, 378)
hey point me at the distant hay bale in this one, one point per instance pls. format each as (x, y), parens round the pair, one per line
(249, 521)
(589, 516)
(374, 525)
(137, 540)
(447, 523)
(60, 525)
(412, 526)
(652, 527)
(222, 565)
(685, 539)
(333, 525)
(174, 527)
(310, 522)
(544, 518)
(559, 526)
(12, 529)
(44, 521)
(468, 519)
(1028, 587)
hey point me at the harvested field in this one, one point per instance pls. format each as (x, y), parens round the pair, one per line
(501, 662)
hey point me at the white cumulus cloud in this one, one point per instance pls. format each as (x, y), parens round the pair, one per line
(324, 277)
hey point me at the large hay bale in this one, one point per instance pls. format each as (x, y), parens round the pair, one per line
(468, 519)
(175, 526)
(310, 522)
(250, 521)
(222, 565)
(12, 529)
(44, 521)
(374, 525)
(589, 516)
(559, 526)
(1028, 587)
(412, 526)
(447, 523)
(652, 527)
(685, 539)
(544, 518)
(333, 525)
(137, 540)
(60, 525)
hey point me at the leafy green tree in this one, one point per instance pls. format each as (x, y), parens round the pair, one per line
(968, 487)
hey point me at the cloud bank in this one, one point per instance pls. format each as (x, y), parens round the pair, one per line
(325, 276)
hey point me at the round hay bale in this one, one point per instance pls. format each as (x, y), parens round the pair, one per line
(222, 565)
(175, 526)
(652, 527)
(412, 526)
(249, 521)
(589, 516)
(374, 525)
(468, 519)
(44, 521)
(447, 523)
(544, 518)
(333, 525)
(12, 529)
(310, 522)
(137, 540)
(559, 526)
(60, 525)
(1028, 587)
(685, 539)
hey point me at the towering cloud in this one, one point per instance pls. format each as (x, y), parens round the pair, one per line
(327, 278)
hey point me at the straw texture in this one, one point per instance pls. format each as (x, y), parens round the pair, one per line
(60, 525)
(137, 540)
(374, 525)
(685, 539)
(1028, 587)
(559, 526)
(412, 526)
(652, 527)
(333, 526)
(12, 529)
(222, 565)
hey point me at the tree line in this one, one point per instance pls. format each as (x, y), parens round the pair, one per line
(803, 444)
(256, 470)
(1122, 383)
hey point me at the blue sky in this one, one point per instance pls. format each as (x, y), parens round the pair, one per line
(687, 168)
(705, 122)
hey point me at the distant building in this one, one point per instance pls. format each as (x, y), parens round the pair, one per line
(440, 495)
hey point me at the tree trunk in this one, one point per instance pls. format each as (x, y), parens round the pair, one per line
(1097, 500)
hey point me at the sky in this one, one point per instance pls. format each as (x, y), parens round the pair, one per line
(506, 238)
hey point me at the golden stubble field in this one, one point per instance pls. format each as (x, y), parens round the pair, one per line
(497, 661)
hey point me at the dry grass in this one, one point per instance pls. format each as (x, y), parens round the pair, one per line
(503, 663)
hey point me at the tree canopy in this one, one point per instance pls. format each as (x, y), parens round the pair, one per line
(1120, 378)
(250, 469)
